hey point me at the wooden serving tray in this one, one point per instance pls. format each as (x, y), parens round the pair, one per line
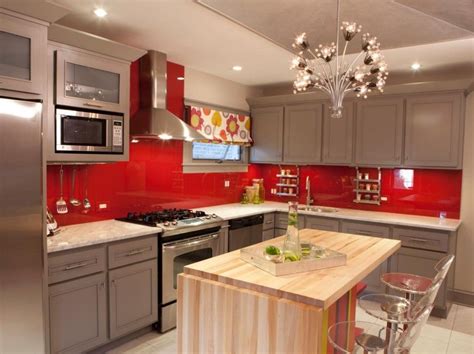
(254, 255)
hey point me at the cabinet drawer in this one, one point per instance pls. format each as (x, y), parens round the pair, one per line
(268, 234)
(281, 221)
(74, 264)
(268, 221)
(359, 228)
(279, 232)
(317, 223)
(128, 252)
(422, 239)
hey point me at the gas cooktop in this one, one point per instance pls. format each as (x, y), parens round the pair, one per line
(171, 219)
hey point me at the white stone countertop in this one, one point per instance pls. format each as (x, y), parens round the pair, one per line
(92, 233)
(88, 234)
(232, 211)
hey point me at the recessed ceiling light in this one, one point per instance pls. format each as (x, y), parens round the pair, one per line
(180, 78)
(237, 68)
(100, 12)
(415, 66)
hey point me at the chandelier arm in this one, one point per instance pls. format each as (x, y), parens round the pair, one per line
(343, 66)
(353, 62)
(323, 70)
(337, 41)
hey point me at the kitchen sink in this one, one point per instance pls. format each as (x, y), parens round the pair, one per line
(317, 209)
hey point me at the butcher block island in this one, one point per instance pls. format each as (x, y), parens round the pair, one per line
(226, 305)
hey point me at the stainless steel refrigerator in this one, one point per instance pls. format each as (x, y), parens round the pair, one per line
(22, 231)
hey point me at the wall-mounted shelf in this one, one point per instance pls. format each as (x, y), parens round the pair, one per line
(361, 192)
(287, 188)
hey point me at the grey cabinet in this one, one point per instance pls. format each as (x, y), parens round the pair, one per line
(379, 132)
(78, 314)
(268, 226)
(303, 133)
(374, 230)
(338, 136)
(89, 81)
(133, 297)
(319, 223)
(281, 221)
(434, 130)
(23, 54)
(267, 134)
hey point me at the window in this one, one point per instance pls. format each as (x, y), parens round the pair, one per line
(219, 152)
(210, 157)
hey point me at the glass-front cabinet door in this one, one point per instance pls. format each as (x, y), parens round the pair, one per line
(22, 54)
(89, 81)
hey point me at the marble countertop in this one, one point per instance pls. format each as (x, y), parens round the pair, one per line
(235, 210)
(92, 233)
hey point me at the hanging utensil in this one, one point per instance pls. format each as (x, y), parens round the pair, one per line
(61, 206)
(86, 202)
(74, 201)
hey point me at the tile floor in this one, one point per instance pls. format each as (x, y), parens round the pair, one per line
(454, 335)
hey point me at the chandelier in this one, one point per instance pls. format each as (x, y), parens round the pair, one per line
(317, 69)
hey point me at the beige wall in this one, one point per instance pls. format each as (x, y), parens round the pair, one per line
(464, 274)
(214, 90)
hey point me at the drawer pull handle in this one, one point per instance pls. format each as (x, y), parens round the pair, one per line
(137, 251)
(414, 239)
(92, 105)
(77, 265)
(268, 222)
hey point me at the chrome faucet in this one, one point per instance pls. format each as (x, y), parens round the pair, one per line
(309, 198)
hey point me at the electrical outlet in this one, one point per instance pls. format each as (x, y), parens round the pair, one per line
(102, 206)
(383, 199)
(226, 184)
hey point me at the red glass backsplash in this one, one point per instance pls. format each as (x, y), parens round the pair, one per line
(153, 178)
(419, 192)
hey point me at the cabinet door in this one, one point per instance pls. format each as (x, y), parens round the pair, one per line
(84, 80)
(267, 134)
(338, 136)
(78, 314)
(133, 297)
(318, 223)
(379, 132)
(22, 55)
(303, 133)
(374, 230)
(420, 262)
(433, 130)
(268, 234)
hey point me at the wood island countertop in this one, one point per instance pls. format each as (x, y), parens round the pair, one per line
(319, 288)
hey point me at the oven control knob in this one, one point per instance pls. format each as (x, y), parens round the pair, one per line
(208, 216)
(214, 215)
(174, 222)
(166, 223)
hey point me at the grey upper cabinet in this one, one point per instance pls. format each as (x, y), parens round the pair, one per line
(133, 297)
(23, 54)
(379, 132)
(434, 130)
(89, 81)
(303, 133)
(267, 134)
(78, 314)
(338, 136)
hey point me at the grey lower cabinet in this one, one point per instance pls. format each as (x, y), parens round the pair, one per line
(374, 230)
(267, 134)
(133, 297)
(78, 314)
(319, 223)
(434, 130)
(303, 126)
(268, 226)
(379, 132)
(338, 136)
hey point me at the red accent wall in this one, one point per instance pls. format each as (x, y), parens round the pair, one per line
(153, 178)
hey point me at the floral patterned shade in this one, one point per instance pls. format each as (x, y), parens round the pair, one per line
(220, 127)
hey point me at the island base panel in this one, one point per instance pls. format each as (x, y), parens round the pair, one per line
(218, 318)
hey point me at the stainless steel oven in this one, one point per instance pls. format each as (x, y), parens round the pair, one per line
(175, 255)
(89, 132)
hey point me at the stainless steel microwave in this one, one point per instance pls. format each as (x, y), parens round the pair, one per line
(89, 132)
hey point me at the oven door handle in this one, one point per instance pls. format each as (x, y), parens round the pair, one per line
(180, 245)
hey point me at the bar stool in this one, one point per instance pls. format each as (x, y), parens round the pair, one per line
(408, 337)
(413, 285)
(357, 337)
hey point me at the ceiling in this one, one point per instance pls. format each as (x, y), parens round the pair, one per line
(256, 34)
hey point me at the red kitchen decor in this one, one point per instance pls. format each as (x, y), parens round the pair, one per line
(153, 178)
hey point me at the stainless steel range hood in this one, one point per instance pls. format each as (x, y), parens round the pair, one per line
(153, 120)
